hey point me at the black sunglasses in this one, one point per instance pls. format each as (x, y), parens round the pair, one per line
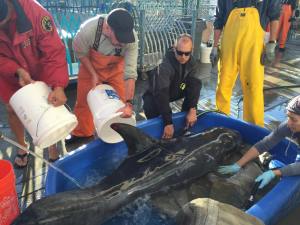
(182, 53)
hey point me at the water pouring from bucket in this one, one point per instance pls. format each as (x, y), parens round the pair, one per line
(40, 157)
(104, 103)
(45, 123)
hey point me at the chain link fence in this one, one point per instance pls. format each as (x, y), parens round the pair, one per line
(158, 23)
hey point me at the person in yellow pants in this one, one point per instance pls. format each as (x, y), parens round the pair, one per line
(287, 11)
(242, 52)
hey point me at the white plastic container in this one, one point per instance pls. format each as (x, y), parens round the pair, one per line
(45, 123)
(104, 103)
(205, 53)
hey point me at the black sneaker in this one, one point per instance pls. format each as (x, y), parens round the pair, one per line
(281, 49)
(72, 139)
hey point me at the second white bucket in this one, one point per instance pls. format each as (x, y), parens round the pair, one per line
(205, 53)
(104, 103)
(45, 123)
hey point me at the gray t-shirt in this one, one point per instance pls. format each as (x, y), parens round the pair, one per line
(85, 38)
(273, 139)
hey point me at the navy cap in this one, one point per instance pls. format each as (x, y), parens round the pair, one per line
(294, 105)
(3, 10)
(122, 24)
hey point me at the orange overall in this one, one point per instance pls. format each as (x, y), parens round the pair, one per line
(110, 70)
(284, 24)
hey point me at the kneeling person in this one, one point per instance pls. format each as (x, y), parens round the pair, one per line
(175, 78)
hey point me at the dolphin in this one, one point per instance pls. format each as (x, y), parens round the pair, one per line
(151, 166)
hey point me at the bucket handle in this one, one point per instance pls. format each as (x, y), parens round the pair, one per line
(68, 108)
(37, 125)
(39, 120)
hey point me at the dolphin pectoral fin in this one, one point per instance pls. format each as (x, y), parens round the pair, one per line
(136, 140)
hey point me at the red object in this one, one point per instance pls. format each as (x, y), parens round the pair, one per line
(39, 51)
(284, 24)
(9, 208)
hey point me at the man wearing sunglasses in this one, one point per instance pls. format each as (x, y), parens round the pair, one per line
(175, 78)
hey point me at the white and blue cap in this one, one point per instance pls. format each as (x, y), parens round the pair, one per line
(3, 10)
(294, 105)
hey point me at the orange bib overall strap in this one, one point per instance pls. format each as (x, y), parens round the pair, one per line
(110, 70)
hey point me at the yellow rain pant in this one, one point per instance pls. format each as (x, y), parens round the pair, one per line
(241, 50)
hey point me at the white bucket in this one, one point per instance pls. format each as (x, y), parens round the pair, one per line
(104, 103)
(45, 123)
(205, 53)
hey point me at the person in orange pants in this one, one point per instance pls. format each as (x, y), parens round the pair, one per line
(287, 11)
(106, 46)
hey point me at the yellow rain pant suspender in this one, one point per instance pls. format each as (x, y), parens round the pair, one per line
(241, 49)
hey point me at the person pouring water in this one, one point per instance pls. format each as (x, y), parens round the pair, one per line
(289, 128)
(30, 50)
(107, 47)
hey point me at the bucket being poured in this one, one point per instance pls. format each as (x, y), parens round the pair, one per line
(45, 123)
(9, 208)
(205, 53)
(104, 103)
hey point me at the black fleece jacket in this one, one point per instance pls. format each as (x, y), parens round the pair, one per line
(171, 81)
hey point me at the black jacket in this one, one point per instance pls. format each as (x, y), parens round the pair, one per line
(171, 81)
(269, 10)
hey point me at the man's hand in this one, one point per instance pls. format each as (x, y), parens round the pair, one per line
(230, 169)
(265, 178)
(24, 77)
(168, 131)
(214, 56)
(270, 52)
(57, 97)
(126, 111)
(191, 118)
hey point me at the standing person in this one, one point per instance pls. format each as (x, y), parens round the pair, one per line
(287, 11)
(243, 24)
(289, 128)
(107, 48)
(30, 49)
(175, 78)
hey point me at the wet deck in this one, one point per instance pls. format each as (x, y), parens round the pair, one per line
(280, 81)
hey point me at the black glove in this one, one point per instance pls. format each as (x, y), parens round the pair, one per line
(214, 56)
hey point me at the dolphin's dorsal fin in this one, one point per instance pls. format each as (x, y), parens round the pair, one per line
(136, 140)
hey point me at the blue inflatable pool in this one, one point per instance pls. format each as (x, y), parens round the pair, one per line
(106, 157)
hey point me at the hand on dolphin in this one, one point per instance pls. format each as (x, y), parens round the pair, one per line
(168, 131)
(191, 118)
(230, 169)
(265, 178)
